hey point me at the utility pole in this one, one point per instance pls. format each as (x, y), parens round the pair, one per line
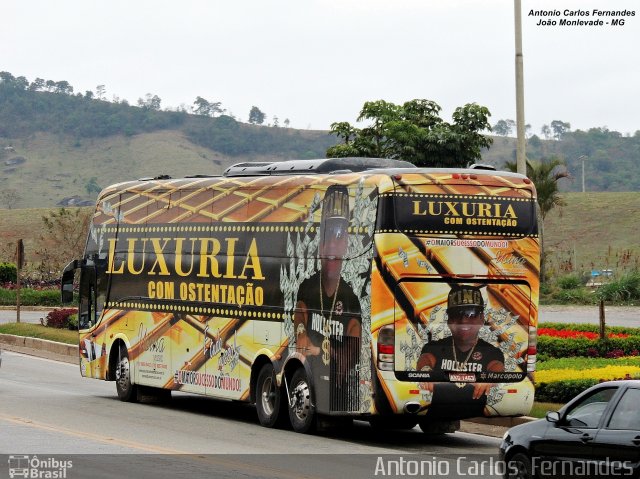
(19, 265)
(582, 157)
(521, 162)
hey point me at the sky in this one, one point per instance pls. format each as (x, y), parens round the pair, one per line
(315, 62)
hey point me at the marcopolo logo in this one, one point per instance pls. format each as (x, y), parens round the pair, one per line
(40, 468)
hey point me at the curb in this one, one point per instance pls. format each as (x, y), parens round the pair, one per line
(41, 348)
(44, 309)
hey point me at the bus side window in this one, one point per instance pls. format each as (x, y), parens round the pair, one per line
(87, 313)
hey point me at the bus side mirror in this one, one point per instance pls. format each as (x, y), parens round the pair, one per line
(66, 286)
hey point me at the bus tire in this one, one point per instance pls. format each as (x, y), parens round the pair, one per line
(127, 391)
(268, 397)
(302, 411)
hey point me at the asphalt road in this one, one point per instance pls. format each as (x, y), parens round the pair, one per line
(9, 316)
(48, 410)
(614, 315)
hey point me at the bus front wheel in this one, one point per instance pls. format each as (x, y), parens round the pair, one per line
(268, 397)
(127, 391)
(302, 412)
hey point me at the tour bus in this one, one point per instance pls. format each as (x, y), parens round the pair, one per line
(354, 288)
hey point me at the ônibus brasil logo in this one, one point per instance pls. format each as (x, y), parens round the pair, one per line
(34, 467)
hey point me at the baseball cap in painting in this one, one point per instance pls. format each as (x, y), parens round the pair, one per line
(336, 203)
(464, 296)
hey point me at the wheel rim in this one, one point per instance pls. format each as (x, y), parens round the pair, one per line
(521, 470)
(301, 399)
(268, 396)
(122, 373)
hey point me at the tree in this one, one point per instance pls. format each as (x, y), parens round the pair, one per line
(286, 122)
(535, 141)
(7, 77)
(415, 132)
(504, 127)
(22, 83)
(100, 92)
(545, 175)
(92, 186)
(37, 85)
(276, 121)
(560, 128)
(256, 116)
(63, 87)
(64, 238)
(207, 108)
(150, 102)
(546, 131)
(201, 106)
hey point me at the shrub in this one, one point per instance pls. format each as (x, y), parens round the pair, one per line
(552, 347)
(578, 295)
(8, 273)
(72, 321)
(562, 391)
(30, 297)
(59, 318)
(571, 281)
(627, 288)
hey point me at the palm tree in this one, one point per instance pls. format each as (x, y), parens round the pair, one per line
(545, 174)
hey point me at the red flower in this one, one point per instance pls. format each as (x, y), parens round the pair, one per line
(561, 333)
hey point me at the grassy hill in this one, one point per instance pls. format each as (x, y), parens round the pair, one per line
(56, 146)
(594, 230)
(60, 148)
(56, 167)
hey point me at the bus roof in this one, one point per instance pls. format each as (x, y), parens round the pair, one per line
(331, 166)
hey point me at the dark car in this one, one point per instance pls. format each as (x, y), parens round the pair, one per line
(597, 434)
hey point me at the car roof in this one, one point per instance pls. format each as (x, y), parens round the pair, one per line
(620, 382)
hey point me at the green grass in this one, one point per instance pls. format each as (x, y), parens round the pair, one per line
(40, 332)
(586, 363)
(594, 231)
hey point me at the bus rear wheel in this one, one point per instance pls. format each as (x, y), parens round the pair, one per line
(268, 397)
(302, 412)
(127, 391)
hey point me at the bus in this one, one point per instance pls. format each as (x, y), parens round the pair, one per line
(354, 288)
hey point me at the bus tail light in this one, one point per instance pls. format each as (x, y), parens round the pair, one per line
(532, 350)
(386, 348)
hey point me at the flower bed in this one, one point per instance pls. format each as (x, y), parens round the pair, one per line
(607, 373)
(570, 334)
(571, 359)
(556, 340)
